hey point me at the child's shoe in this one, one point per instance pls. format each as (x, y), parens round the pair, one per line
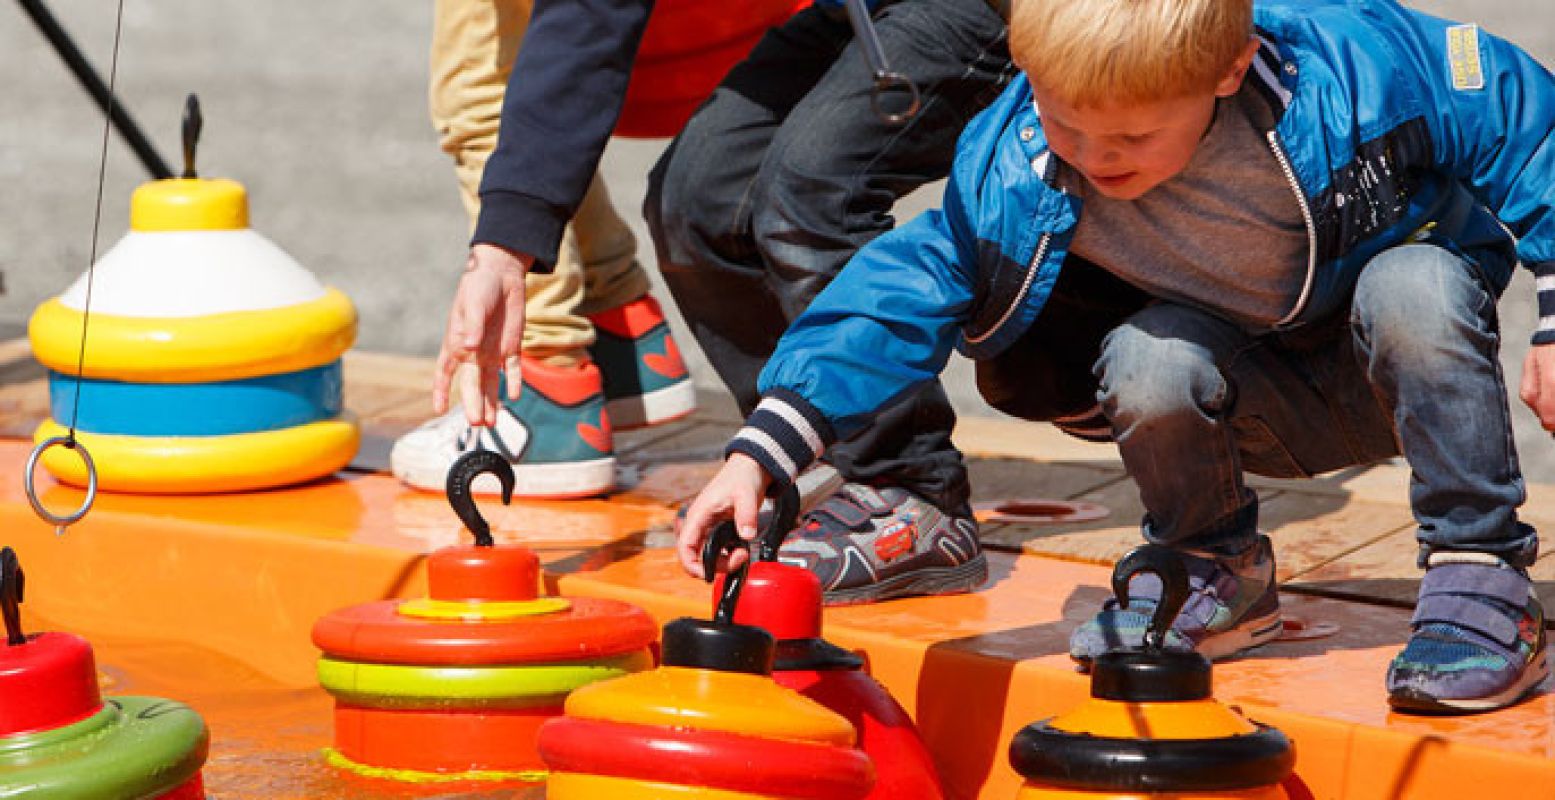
(556, 434)
(1478, 641)
(1233, 605)
(646, 383)
(867, 544)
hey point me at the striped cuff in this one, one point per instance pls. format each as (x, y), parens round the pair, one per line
(784, 434)
(1545, 285)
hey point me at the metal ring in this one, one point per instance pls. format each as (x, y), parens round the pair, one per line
(32, 491)
(887, 80)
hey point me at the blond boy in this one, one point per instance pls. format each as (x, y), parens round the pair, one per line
(1261, 236)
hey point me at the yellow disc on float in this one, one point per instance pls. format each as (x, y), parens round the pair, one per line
(200, 464)
(231, 345)
(189, 204)
(482, 610)
(732, 702)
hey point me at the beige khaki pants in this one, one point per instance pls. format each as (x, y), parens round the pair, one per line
(473, 46)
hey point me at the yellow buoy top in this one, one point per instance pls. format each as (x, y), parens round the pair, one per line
(189, 204)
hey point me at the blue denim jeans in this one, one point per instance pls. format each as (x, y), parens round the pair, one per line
(1194, 401)
(787, 171)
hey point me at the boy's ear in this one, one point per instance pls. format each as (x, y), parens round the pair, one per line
(1231, 83)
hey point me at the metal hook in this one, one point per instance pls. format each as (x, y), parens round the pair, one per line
(12, 582)
(874, 57)
(461, 478)
(1168, 566)
(60, 522)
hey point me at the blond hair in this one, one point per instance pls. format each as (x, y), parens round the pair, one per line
(1093, 52)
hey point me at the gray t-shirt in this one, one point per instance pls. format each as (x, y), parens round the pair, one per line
(1226, 234)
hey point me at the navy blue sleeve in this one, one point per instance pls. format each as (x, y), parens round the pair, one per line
(562, 102)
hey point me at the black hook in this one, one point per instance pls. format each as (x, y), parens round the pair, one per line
(461, 477)
(12, 582)
(193, 122)
(1168, 566)
(725, 539)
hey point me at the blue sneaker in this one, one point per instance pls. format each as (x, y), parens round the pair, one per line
(556, 434)
(1478, 641)
(646, 381)
(1233, 605)
(867, 544)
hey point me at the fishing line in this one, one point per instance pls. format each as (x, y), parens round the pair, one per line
(69, 441)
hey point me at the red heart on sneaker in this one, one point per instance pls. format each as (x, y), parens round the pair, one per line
(668, 365)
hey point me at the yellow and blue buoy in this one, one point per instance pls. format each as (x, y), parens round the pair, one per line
(212, 358)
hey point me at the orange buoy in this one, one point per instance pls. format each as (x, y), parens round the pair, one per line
(710, 723)
(1151, 727)
(455, 686)
(688, 47)
(60, 738)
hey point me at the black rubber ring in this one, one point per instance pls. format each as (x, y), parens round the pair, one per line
(1081, 761)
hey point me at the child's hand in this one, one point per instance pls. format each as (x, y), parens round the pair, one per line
(735, 492)
(485, 330)
(1538, 385)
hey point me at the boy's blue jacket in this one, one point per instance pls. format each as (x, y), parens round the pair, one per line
(1391, 125)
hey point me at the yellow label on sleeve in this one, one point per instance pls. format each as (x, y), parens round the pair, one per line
(1468, 71)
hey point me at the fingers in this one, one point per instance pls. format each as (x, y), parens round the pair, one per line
(514, 372)
(746, 507)
(689, 539)
(1528, 388)
(470, 394)
(442, 379)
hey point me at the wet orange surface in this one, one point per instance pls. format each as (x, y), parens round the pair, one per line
(210, 600)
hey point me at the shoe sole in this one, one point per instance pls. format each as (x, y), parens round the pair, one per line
(1251, 633)
(660, 406)
(945, 580)
(1415, 702)
(537, 481)
(1229, 644)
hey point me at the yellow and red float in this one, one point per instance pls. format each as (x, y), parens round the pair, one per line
(1151, 727)
(709, 723)
(60, 738)
(454, 686)
(212, 358)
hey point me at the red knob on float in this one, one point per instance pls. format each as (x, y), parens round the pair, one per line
(456, 685)
(59, 739)
(485, 574)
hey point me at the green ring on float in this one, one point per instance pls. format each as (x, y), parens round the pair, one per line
(481, 610)
(133, 747)
(398, 686)
(335, 759)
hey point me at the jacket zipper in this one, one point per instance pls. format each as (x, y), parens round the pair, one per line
(1306, 217)
(1031, 274)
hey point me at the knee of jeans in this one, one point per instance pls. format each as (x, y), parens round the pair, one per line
(686, 215)
(1412, 302)
(1144, 377)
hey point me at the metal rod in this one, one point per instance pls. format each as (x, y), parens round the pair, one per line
(82, 69)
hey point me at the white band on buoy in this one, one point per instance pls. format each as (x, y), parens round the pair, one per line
(58, 521)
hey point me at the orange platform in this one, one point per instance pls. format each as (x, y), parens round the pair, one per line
(210, 599)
